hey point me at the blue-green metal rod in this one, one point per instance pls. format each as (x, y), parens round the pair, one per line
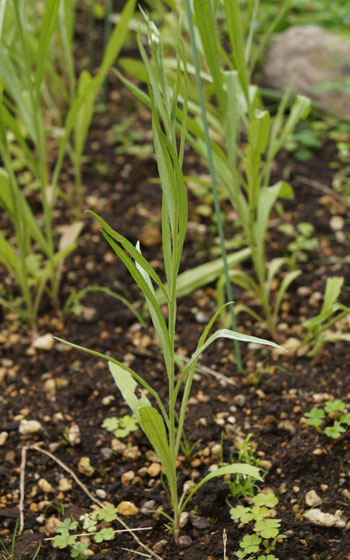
(213, 181)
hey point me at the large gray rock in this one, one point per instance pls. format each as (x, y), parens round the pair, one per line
(304, 58)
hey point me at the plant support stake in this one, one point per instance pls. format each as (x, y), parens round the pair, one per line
(213, 182)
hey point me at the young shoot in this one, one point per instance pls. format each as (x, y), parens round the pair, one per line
(163, 421)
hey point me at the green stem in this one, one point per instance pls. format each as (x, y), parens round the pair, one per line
(213, 180)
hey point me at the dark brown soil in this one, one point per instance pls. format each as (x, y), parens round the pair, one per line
(276, 393)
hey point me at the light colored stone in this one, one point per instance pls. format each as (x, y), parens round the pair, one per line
(184, 517)
(65, 484)
(131, 453)
(117, 445)
(336, 223)
(85, 467)
(188, 486)
(318, 517)
(51, 525)
(45, 342)
(89, 314)
(45, 486)
(291, 345)
(321, 397)
(100, 493)
(49, 386)
(127, 477)
(185, 541)
(265, 464)
(305, 57)
(106, 401)
(148, 507)
(29, 427)
(312, 498)
(152, 456)
(154, 469)
(127, 508)
(239, 400)
(287, 426)
(3, 438)
(74, 436)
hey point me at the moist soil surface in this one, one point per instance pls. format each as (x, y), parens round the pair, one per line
(63, 387)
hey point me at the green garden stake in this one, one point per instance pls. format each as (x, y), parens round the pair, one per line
(213, 182)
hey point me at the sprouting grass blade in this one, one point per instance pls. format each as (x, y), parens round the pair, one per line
(46, 31)
(206, 25)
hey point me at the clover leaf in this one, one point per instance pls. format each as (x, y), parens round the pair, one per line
(106, 534)
(250, 543)
(334, 406)
(315, 416)
(109, 513)
(64, 539)
(78, 551)
(334, 431)
(267, 528)
(244, 514)
(267, 557)
(121, 427)
(269, 500)
(89, 523)
(110, 424)
(67, 525)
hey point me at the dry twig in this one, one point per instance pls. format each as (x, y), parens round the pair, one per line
(82, 486)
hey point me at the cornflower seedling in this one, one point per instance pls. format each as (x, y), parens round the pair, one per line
(333, 411)
(163, 421)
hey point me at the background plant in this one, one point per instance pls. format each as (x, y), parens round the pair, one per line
(302, 242)
(332, 419)
(34, 256)
(235, 115)
(163, 426)
(266, 528)
(121, 427)
(89, 526)
(241, 486)
(332, 312)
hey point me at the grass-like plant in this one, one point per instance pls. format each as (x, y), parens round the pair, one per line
(319, 327)
(163, 420)
(236, 116)
(34, 256)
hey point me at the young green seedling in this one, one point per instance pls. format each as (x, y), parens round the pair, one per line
(68, 538)
(319, 327)
(121, 427)
(162, 421)
(332, 413)
(266, 528)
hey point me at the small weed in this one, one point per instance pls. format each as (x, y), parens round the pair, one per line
(121, 427)
(266, 528)
(303, 241)
(332, 420)
(89, 522)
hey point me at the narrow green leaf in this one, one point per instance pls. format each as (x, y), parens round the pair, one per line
(237, 468)
(46, 31)
(153, 426)
(127, 386)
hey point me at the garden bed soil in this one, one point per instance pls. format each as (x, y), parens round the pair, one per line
(63, 386)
